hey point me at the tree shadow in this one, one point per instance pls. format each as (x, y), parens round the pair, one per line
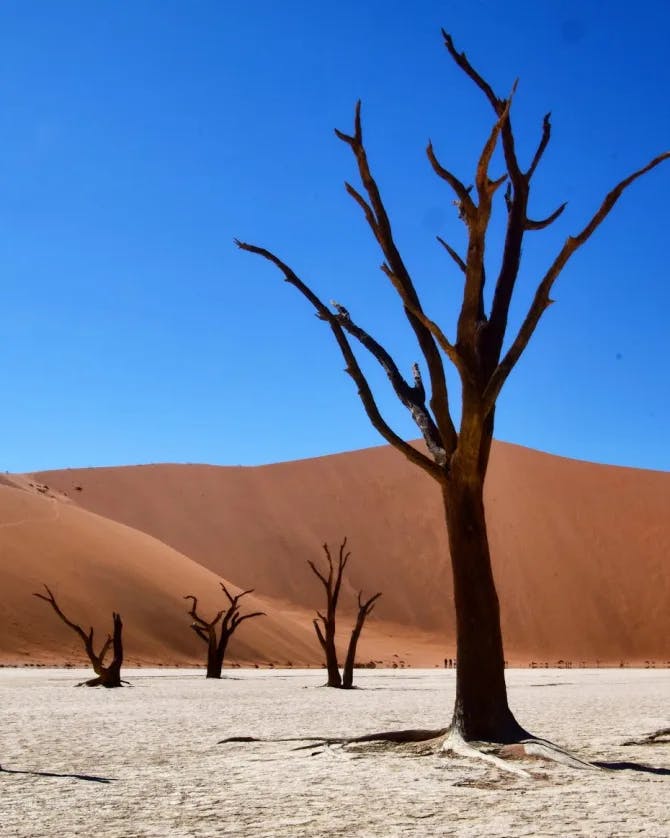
(633, 766)
(90, 778)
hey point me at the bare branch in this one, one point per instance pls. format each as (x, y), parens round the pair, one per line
(452, 253)
(237, 619)
(544, 142)
(319, 633)
(329, 559)
(466, 205)
(368, 605)
(610, 200)
(542, 301)
(200, 631)
(352, 368)
(317, 572)
(444, 343)
(194, 605)
(413, 398)
(105, 648)
(498, 106)
(51, 599)
(381, 226)
(229, 596)
(334, 590)
(367, 209)
(540, 225)
(234, 599)
(486, 187)
(462, 61)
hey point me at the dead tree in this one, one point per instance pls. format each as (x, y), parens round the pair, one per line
(457, 459)
(107, 676)
(324, 625)
(364, 609)
(230, 618)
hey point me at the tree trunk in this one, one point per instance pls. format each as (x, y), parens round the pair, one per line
(348, 672)
(481, 712)
(214, 665)
(364, 609)
(334, 679)
(107, 676)
(216, 653)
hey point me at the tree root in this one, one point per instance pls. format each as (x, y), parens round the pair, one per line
(658, 737)
(455, 745)
(396, 736)
(101, 682)
(446, 742)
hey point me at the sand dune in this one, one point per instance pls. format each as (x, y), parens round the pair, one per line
(580, 550)
(95, 565)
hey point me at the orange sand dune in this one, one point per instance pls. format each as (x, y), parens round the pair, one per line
(95, 565)
(580, 550)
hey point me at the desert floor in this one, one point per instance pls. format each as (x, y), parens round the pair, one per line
(145, 761)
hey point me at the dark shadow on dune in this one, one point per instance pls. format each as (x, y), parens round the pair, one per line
(633, 766)
(89, 778)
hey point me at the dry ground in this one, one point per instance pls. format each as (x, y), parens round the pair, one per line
(144, 761)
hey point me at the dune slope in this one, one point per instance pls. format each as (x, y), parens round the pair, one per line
(580, 550)
(95, 566)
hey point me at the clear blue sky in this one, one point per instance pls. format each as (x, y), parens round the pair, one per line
(137, 139)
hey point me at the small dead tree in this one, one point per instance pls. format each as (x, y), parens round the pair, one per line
(483, 352)
(325, 631)
(364, 609)
(107, 676)
(230, 618)
(324, 625)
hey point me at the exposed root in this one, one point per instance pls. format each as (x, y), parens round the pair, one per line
(543, 749)
(445, 742)
(102, 682)
(456, 745)
(658, 737)
(396, 736)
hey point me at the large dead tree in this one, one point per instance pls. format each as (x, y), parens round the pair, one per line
(106, 676)
(229, 619)
(457, 458)
(324, 624)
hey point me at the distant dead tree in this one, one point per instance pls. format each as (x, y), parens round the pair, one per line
(483, 354)
(229, 618)
(364, 609)
(107, 676)
(324, 624)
